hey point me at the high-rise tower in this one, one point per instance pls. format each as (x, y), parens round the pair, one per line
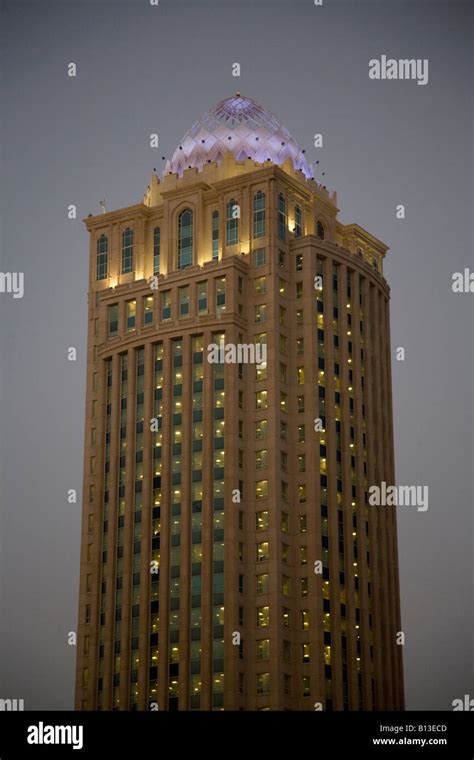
(230, 558)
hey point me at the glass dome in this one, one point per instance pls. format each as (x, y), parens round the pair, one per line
(243, 127)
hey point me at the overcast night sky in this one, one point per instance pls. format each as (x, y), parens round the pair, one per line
(144, 69)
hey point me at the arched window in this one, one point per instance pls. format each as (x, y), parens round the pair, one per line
(281, 216)
(215, 235)
(127, 250)
(320, 229)
(232, 223)
(102, 251)
(259, 215)
(298, 221)
(156, 250)
(185, 239)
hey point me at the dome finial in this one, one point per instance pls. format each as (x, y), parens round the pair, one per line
(237, 94)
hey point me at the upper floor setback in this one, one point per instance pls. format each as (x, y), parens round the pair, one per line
(206, 217)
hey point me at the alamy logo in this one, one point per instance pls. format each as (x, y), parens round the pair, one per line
(404, 68)
(463, 704)
(42, 734)
(12, 282)
(399, 496)
(237, 353)
(11, 705)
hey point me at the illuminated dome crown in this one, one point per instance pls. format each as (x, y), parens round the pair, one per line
(242, 127)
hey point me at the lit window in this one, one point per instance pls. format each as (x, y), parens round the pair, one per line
(260, 285)
(261, 400)
(263, 617)
(300, 346)
(148, 310)
(262, 551)
(260, 313)
(303, 586)
(261, 521)
(131, 313)
(303, 555)
(262, 583)
(220, 295)
(285, 616)
(302, 492)
(300, 375)
(261, 489)
(305, 620)
(261, 429)
(261, 459)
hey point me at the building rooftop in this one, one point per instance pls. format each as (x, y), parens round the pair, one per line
(242, 127)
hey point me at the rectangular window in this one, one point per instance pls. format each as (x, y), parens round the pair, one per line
(285, 617)
(306, 686)
(262, 583)
(299, 262)
(303, 555)
(260, 285)
(285, 522)
(184, 301)
(263, 683)
(263, 617)
(202, 297)
(260, 313)
(305, 620)
(281, 216)
(259, 257)
(299, 318)
(148, 310)
(300, 375)
(215, 235)
(261, 520)
(156, 250)
(262, 551)
(261, 400)
(261, 429)
(299, 346)
(113, 320)
(283, 430)
(220, 295)
(261, 489)
(259, 215)
(303, 587)
(166, 305)
(263, 649)
(131, 314)
(285, 585)
(299, 290)
(298, 221)
(261, 459)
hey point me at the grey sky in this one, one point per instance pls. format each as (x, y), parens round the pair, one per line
(141, 70)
